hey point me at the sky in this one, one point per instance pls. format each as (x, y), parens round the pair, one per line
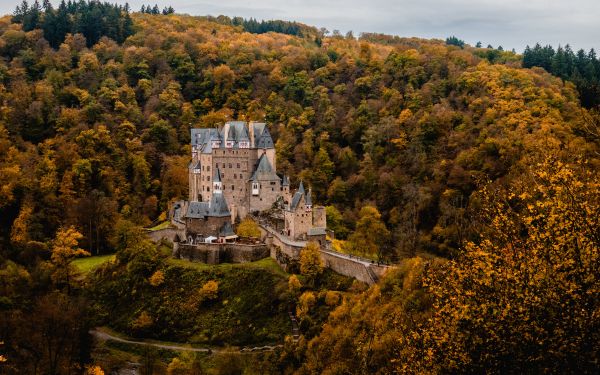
(509, 23)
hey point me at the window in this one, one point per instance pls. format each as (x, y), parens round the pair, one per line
(207, 178)
(208, 168)
(216, 165)
(238, 165)
(229, 165)
(234, 176)
(232, 187)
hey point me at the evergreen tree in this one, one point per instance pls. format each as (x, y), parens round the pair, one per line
(454, 41)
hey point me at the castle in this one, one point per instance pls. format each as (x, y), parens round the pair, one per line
(232, 174)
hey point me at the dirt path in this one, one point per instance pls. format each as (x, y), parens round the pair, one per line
(104, 336)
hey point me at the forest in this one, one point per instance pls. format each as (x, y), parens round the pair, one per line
(475, 170)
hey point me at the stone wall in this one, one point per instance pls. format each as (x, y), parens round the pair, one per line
(268, 193)
(345, 266)
(286, 251)
(220, 253)
(207, 227)
(319, 217)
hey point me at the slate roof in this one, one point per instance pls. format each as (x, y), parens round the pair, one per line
(299, 195)
(264, 140)
(236, 131)
(197, 210)
(264, 170)
(296, 200)
(285, 181)
(217, 176)
(202, 139)
(227, 230)
(217, 207)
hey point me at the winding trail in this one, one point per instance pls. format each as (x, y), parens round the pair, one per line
(104, 336)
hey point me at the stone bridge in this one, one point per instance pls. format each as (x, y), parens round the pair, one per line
(167, 233)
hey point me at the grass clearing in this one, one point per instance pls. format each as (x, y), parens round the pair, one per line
(87, 264)
(163, 225)
(266, 264)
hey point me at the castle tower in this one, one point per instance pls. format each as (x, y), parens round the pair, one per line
(308, 201)
(285, 188)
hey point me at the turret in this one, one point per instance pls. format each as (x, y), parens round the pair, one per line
(285, 185)
(308, 201)
(231, 136)
(217, 184)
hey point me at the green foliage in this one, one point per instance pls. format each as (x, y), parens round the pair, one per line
(88, 264)
(367, 120)
(203, 305)
(454, 41)
(371, 235)
(581, 67)
(94, 19)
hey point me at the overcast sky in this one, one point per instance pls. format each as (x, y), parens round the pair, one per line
(510, 23)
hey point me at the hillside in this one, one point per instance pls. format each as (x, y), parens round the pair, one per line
(479, 176)
(410, 126)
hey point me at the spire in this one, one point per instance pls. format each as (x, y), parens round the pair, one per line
(308, 198)
(301, 188)
(217, 177)
(286, 181)
(231, 133)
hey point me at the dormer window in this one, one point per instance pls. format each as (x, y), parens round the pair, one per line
(244, 144)
(255, 188)
(229, 144)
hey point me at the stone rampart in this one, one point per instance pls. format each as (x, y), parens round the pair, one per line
(220, 253)
(285, 251)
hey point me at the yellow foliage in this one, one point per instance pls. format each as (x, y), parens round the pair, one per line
(306, 301)
(311, 264)
(332, 298)
(210, 290)
(144, 320)
(178, 367)
(294, 284)
(157, 278)
(248, 228)
(94, 370)
(65, 248)
(18, 232)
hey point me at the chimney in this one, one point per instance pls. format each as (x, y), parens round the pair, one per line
(251, 132)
